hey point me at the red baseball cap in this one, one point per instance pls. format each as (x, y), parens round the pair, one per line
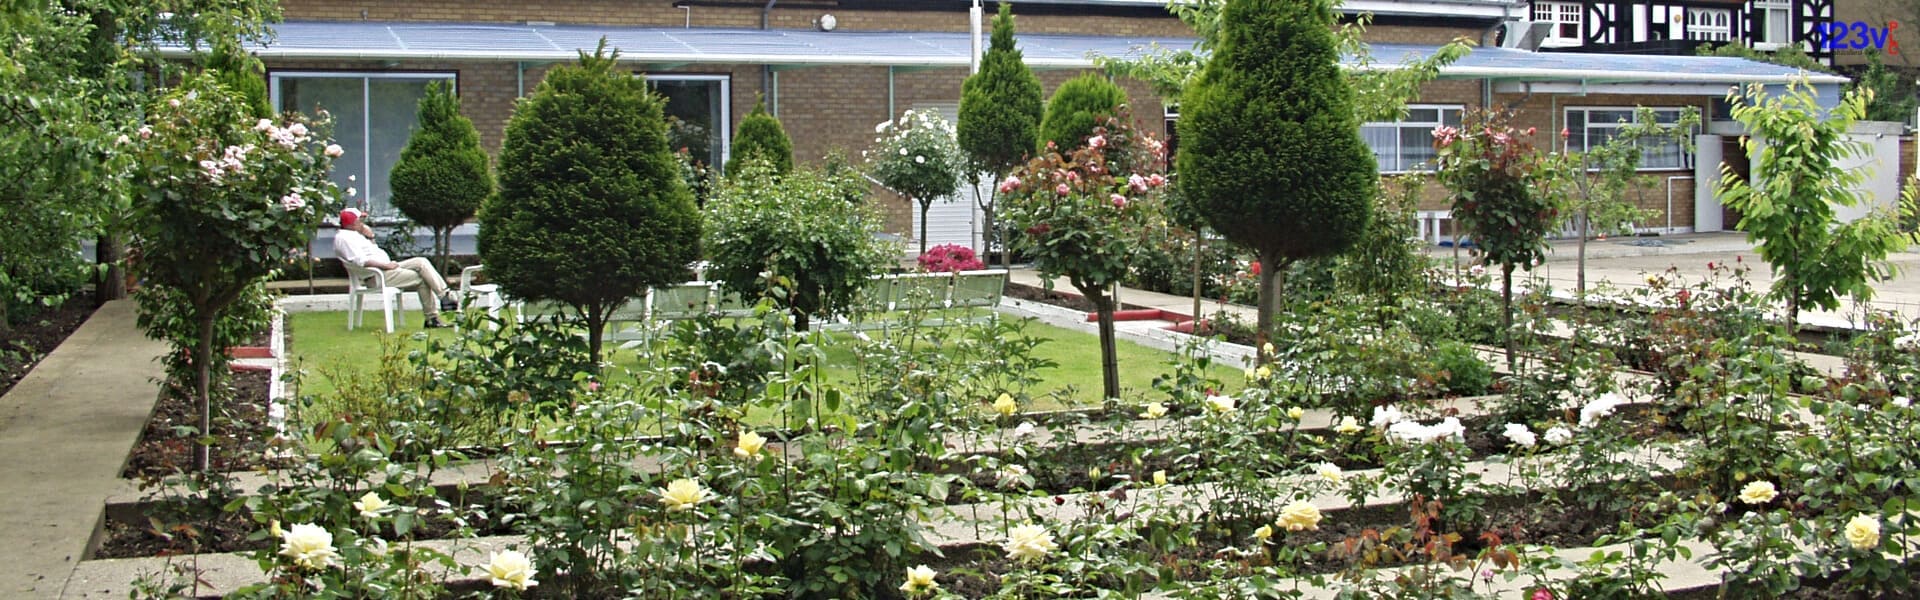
(350, 216)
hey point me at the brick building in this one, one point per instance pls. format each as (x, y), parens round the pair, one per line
(832, 69)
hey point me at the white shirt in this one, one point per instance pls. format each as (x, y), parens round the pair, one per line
(352, 247)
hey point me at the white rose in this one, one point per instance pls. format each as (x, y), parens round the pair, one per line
(510, 569)
(1028, 542)
(309, 546)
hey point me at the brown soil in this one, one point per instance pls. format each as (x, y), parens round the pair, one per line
(28, 342)
(240, 430)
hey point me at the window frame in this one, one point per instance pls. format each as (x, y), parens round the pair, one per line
(274, 88)
(1763, 9)
(1588, 125)
(1400, 157)
(1557, 12)
(1709, 32)
(726, 105)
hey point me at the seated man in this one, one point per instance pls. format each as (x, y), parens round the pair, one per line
(354, 244)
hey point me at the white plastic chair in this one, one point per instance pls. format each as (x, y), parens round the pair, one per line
(363, 282)
(488, 294)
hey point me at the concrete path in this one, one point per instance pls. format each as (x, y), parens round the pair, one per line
(67, 428)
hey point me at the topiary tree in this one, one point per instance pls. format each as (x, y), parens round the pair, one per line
(1000, 112)
(1087, 213)
(591, 209)
(762, 137)
(1498, 183)
(1270, 147)
(1797, 147)
(222, 199)
(1077, 107)
(794, 239)
(917, 157)
(442, 175)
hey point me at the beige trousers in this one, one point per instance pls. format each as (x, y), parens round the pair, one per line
(418, 273)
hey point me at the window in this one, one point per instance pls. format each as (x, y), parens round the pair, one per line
(1407, 145)
(373, 115)
(1772, 20)
(1565, 17)
(1710, 24)
(1590, 127)
(699, 114)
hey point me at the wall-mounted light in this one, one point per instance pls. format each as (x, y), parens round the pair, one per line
(826, 22)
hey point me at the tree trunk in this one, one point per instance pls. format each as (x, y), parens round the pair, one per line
(800, 320)
(1109, 355)
(1506, 312)
(202, 391)
(111, 282)
(6, 325)
(1198, 240)
(595, 323)
(1272, 285)
(1580, 263)
(924, 208)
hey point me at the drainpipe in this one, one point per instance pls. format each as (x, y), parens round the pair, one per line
(767, 82)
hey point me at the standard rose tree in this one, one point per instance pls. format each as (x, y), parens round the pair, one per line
(917, 157)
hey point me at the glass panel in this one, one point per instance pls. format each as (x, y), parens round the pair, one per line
(1577, 130)
(1382, 140)
(394, 106)
(1416, 148)
(1775, 27)
(1423, 115)
(1451, 117)
(344, 99)
(695, 110)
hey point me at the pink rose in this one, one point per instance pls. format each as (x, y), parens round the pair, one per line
(1098, 141)
(1156, 180)
(1062, 189)
(335, 151)
(1073, 176)
(1119, 201)
(1137, 183)
(1011, 184)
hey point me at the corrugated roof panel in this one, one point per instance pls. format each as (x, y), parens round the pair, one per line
(399, 41)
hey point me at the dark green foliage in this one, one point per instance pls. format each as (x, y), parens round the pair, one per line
(1893, 95)
(591, 210)
(1077, 107)
(1000, 107)
(1465, 374)
(442, 176)
(795, 239)
(1270, 149)
(241, 74)
(761, 137)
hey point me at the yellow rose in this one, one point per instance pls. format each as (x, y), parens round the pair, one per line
(1348, 426)
(682, 494)
(1160, 477)
(1005, 405)
(1267, 348)
(1154, 410)
(309, 546)
(1328, 471)
(1263, 373)
(1757, 492)
(919, 580)
(1264, 532)
(749, 445)
(1295, 412)
(1863, 532)
(370, 505)
(1028, 542)
(1252, 375)
(510, 569)
(1220, 404)
(1299, 516)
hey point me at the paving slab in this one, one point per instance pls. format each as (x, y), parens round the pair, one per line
(68, 427)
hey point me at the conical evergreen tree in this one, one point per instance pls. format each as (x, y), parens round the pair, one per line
(591, 209)
(762, 136)
(1076, 108)
(1270, 148)
(442, 175)
(1000, 112)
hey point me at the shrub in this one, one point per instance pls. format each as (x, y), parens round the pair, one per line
(1466, 374)
(222, 200)
(442, 176)
(794, 239)
(1270, 146)
(761, 137)
(950, 258)
(917, 157)
(1077, 107)
(591, 209)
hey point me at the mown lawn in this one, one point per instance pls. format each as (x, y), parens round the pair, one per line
(319, 343)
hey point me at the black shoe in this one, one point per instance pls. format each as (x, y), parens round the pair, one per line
(448, 303)
(434, 323)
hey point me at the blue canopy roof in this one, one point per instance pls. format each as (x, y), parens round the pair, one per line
(363, 40)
